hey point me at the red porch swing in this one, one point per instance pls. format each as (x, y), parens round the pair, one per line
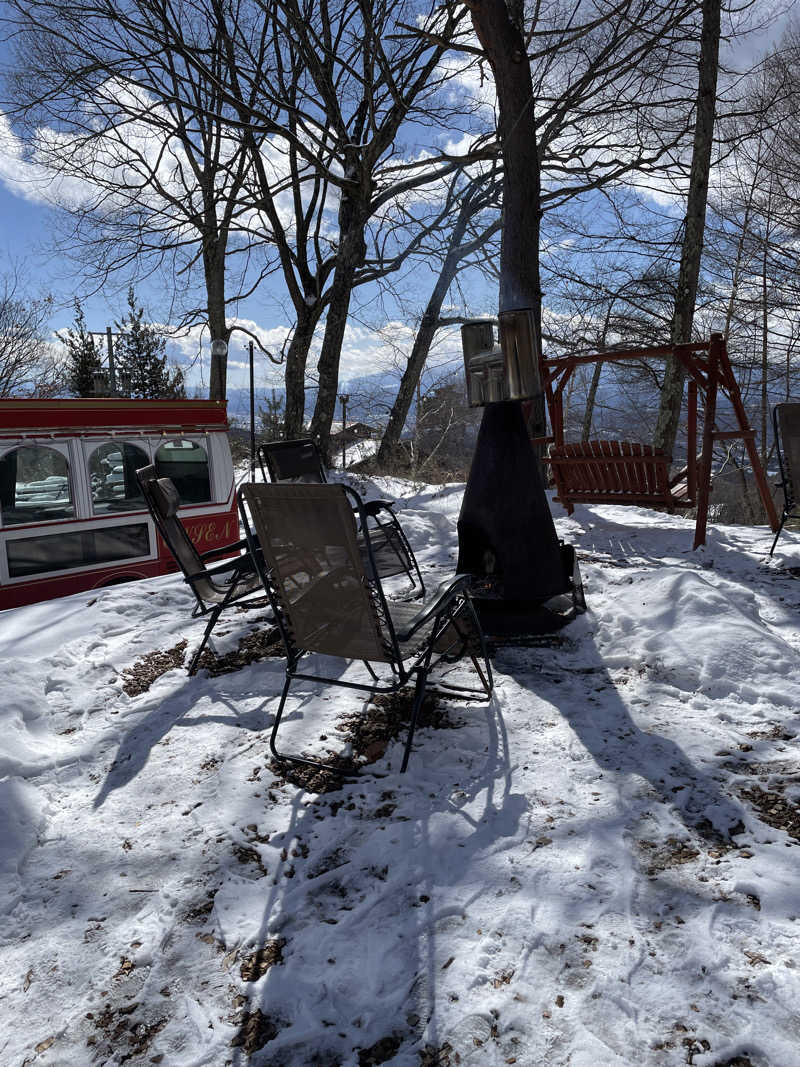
(621, 472)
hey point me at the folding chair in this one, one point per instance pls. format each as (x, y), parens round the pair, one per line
(786, 422)
(300, 462)
(327, 599)
(215, 588)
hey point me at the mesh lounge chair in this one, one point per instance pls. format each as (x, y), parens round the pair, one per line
(300, 462)
(214, 587)
(786, 420)
(328, 600)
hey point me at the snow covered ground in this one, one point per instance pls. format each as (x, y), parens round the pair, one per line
(599, 868)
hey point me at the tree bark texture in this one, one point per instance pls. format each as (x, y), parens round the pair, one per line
(353, 214)
(503, 43)
(214, 269)
(692, 249)
(295, 371)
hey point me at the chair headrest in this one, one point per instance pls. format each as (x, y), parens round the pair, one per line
(166, 497)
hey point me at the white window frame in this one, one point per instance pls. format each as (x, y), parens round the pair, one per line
(64, 448)
(90, 444)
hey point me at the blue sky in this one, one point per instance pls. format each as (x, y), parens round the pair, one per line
(26, 226)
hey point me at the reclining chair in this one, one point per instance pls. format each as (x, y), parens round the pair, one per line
(786, 421)
(214, 587)
(300, 462)
(327, 598)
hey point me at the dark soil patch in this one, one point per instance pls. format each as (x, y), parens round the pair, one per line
(200, 912)
(380, 1052)
(120, 1031)
(431, 1056)
(386, 717)
(257, 964)
(254, 646)
(245, 854)
(334, 773)
(671, 853)
(774, 809)
(369, 733)
(145, 671)
(255, 1031)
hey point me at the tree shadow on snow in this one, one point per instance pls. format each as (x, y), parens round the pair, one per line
(356, 901)
(589, 701)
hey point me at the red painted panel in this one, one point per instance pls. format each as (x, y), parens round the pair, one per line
(94, 415)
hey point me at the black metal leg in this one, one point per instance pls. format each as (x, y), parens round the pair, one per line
(212, 619)
(487, 685)
(368, 665)
(419, 696)
(410, 556)
(277, 722)
(488, 682)
(777, 535)
(284, 757)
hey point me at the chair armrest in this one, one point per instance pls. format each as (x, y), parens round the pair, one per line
(236, 546)
(372, 507)
(446, 592)
(242, 564)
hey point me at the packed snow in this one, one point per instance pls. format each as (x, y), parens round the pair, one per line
(599, 867)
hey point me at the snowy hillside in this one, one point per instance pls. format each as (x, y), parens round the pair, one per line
(600, 868)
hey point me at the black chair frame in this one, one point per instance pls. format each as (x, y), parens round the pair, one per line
(300, 460)
(214, 588)
(786, 484)
(446, 627)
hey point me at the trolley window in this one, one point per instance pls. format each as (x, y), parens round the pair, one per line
(34, 486)
(186, 463)
(81, 548)
(112, 476)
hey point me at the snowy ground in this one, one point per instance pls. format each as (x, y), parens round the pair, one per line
(601, 868)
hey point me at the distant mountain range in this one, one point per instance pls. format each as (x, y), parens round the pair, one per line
(370, 399)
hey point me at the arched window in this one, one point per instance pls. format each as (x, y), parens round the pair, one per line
(186, 463)
(34, 486)
(112, 477)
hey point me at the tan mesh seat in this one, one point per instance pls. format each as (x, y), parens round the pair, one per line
(299, 462)
(327, 599)
(786, 421)
(214, 587)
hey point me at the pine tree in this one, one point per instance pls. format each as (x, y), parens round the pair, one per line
(82, 356)
(141, 359)
(272, 415)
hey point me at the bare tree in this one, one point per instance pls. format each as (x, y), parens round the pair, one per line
(27, 366)
(152, 168)
(463, 239)
(694, 224)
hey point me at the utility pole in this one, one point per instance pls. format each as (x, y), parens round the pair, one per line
(344, 397)
(112, 377)
(252, 418)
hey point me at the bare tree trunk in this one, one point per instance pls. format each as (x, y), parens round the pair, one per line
(502, 40)
(352, 252)
(586, 429)
(295, 372)
(692, 249)
(764, 352)
(214, 269)
(424, 339)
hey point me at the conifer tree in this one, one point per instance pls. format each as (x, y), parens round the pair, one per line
(141, 358)
(82, 356)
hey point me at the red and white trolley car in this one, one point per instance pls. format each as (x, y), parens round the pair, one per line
(72, 516)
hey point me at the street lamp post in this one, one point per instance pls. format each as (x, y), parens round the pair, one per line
(252, 416)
